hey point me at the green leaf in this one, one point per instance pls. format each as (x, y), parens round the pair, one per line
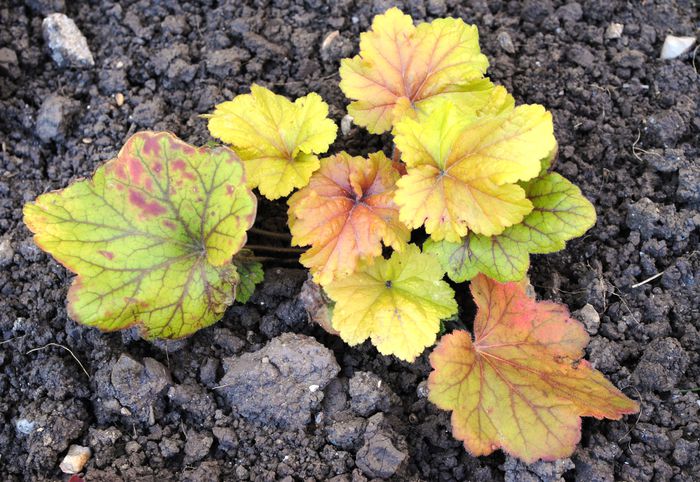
(150, 236)
(560, 213)
(250, 273)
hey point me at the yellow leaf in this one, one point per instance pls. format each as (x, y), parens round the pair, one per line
(277, 140)
(398, 303)
(402, 69)
(462, 168)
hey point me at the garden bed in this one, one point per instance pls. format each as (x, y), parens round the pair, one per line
(626, 123)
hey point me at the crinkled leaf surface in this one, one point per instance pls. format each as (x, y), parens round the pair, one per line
(277, 139)
(250, 273)
(462, 169)
(150, 236)
(398, 303)
(345, 213)
(402, 68)
(520, 385)
(560, 213)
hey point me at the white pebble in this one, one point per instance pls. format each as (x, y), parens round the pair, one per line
(676, 46)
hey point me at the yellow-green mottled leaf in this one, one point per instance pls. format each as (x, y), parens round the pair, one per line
(560, 213)
(250, 273)
(277, 139)
(150, 236)
(397, 302)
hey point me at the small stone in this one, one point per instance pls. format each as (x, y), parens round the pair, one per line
(25, 426)
(345, 434)
(589, 317)
(226, 62)
(571, 12)
(197, 446)
(119, 99)
(581, 56)
(75, 459)
(630, 59)
(614, 31)
(676, 46)
(346, 124)
(383, 453)
(505, 42)
(422, 390)
(55, 117)
(6, 252)
(67, 44)
(138, 386)
(368, 394)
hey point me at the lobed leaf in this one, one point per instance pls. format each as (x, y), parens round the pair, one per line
(278, 140)
(560, 213)
(402, 68)
(345, 213)
(250, 273)
(150, 236)
(462, 169)
(520, 385)
(398, 303)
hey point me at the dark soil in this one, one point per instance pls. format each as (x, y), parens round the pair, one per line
(627, 125)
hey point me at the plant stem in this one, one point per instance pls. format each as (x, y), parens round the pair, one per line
(396, 155)
(274, 249)
(272, 234)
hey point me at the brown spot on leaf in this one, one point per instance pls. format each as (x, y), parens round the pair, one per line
(107, 254)
(169, 224)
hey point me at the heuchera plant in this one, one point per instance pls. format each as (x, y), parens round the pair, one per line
(157, 235)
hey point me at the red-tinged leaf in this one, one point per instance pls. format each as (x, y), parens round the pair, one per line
(345, 213)
(520, 385)
(150, 236)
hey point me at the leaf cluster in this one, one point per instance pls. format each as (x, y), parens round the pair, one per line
(157, 236)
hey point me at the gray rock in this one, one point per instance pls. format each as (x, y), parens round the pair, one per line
(281, 384)
(55, 117)
(383, 453)
(67, 44)
(227, 62)
(505, 42)
(6, 252)
(666, 160)
(662, 365)
(346, 434)
(197, 446)
(226, 437)
(9, 63)
(581, 56)
(589, 317)
(138, 386)
(665, 128)
(518, 471)
(643, 216)
(571, 12)
(369, 394)
(146, 114)
(193, 400)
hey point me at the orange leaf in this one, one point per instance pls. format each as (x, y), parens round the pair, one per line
(520, 385)
(402, 68)
(345, 213)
